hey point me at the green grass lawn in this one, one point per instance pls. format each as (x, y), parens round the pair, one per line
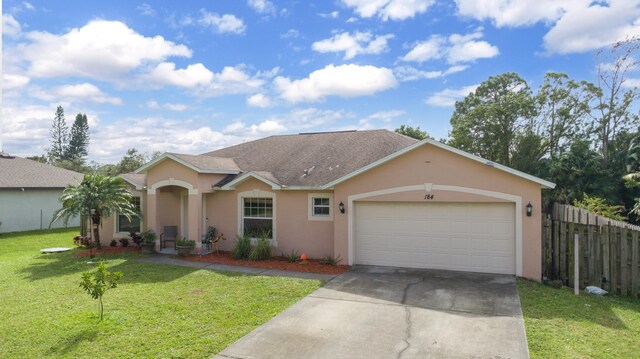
(560, 324)
(157, 311)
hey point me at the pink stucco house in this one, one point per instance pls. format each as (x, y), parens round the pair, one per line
(370, 197)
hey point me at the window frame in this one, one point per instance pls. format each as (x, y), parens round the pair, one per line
(116, 223)
(311, 207)
(258, 194)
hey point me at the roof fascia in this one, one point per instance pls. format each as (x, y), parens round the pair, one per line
(131, 182)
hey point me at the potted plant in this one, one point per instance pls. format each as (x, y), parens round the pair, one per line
(148, 243)
(185, 246)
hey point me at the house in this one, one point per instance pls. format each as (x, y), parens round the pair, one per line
(29, 193)
(370, 197)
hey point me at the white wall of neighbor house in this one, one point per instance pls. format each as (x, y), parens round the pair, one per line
(30, 209)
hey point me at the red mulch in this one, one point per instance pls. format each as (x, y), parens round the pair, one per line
(107, 250)
(313, 265)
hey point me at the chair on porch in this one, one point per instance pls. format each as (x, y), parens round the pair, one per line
(169, 234)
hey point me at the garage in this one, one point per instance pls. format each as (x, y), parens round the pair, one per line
(473, 237)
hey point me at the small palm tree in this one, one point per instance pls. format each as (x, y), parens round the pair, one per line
(97, 197)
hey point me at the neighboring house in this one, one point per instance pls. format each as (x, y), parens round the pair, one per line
(406, 203)
(29, 193)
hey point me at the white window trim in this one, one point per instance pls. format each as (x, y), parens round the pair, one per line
(116, 221)
(256, 193)
(310, 215)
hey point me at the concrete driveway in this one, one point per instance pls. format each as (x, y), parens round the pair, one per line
(380, 312)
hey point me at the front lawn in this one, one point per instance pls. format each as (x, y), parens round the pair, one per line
(157, 311)
(562, 325)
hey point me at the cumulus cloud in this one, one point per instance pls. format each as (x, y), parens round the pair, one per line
(12, 82)
(259, 100)
(226, 23)
(84, 92)
(408, 73)
(454, 49)
(191, 76)
(10, 26)
(575, 25)
(353, 45)
(101, 49)
(262, 6)
(389, 9)
(448, 97)
(344, 80)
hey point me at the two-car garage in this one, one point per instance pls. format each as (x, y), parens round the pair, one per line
(474, 237)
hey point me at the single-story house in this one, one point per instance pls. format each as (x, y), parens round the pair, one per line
(29, 193)
(369, 197)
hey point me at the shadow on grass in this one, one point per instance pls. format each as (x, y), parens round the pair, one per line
(545, 303)
(69, 344)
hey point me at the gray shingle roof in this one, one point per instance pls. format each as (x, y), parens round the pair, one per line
(208, 163)
(313, 159)
(140, 179)
(17, 172)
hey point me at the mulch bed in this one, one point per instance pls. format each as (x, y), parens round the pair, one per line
(313, 265)
(107, 250)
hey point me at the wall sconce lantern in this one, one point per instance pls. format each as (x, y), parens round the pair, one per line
(341, 207)
(529, 209)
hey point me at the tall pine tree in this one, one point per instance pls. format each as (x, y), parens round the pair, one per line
(59, 135)
(78, 139)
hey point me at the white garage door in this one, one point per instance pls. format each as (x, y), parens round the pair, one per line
(473, 237)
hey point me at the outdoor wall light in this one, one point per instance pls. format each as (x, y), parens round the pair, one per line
(341, 207)
(529, 209)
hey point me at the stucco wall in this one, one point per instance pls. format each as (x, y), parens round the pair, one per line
(30, 209)
(293, 229)
(430, 164)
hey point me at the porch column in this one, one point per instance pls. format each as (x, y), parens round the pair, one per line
(195, 217)
(151, 217)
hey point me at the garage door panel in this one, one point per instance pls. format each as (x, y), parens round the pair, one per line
(477, 237)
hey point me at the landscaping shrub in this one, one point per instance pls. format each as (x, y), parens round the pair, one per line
(135, 238)
(82, 241)
(124, 242)
(242, 248)
(292, 256)
(331, 261)
(113, 243)
(261, 251)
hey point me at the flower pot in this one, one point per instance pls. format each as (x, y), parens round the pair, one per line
(183, 251)
(148, 248)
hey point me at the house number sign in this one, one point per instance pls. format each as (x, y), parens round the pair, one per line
(429, 196)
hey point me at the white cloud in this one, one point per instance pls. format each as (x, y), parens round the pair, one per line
(588, 28)
(84, 92)
(12, 82)
(236, 80)
(631, 83)
(28, 5)
(448, 97)
(344, 80)
(389, 9)
(261, 129)
(191, 76)
(455, 49)
(353, 45)
(226, 23)
(386, 116)
(262, 6)
(408, 73)
(175, 106)
(153, 104)
(290, 34)
(101, 49)
(10, 26)
(330, 15)
(146, 10)
(259, 100)
(575, 25)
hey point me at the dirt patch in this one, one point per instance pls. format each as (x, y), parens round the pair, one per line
(313, 265)
(107, 250)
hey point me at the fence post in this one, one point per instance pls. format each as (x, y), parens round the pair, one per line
(576, 264)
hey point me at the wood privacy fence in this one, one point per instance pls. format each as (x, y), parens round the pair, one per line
(609, 251)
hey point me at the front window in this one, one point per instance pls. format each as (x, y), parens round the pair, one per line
(133, 225)
(321, 207)
(258, 217)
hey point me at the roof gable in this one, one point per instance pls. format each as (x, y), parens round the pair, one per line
(18, 172)
(200, 164)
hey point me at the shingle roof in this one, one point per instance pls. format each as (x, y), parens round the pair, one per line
(139, 179)
(313, 159)
(208, 163)
(17, 172)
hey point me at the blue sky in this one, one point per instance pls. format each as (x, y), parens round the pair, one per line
(193, 76)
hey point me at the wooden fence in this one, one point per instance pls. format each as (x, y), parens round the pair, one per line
(609, 251)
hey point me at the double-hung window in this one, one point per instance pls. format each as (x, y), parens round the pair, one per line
(125, 225)
(257, 217)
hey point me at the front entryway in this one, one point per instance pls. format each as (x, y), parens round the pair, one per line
(382, 312)
(472, 237)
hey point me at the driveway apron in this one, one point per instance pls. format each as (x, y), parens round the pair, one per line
(382, 312)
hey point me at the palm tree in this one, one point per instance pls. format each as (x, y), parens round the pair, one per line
(97, 197)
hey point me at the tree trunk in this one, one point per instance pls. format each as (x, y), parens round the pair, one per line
(96, 236)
